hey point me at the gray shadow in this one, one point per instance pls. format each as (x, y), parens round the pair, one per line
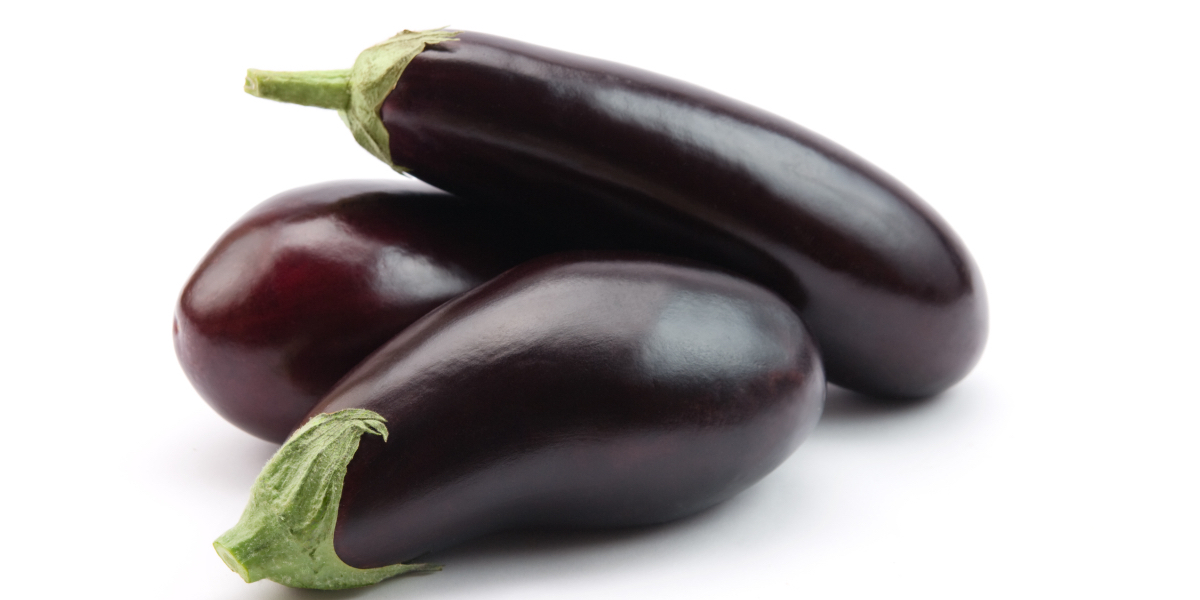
(842, 404)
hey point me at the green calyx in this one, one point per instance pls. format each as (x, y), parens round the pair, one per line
(286, 532)
(357, 93)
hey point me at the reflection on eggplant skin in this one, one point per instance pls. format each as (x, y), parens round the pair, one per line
(710, 337)
(399, 273)
(581, 390)
(608, 151)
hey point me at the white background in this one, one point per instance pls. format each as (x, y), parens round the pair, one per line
(1058, 138)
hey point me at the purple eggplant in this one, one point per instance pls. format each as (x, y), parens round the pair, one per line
(575, 391)
(642, 161)
(313, 280)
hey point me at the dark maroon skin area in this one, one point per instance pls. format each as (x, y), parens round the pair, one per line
(656, 164)
(313, 280)
(575, 391)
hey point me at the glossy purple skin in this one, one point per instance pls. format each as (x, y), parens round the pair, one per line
(313, 280)
(652, 163)
(574, 391)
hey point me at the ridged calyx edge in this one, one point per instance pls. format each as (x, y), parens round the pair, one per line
(286, 532)
(373, 76)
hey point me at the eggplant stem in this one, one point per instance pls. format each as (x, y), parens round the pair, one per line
(286, 532)
(356, 93)
(323, 89)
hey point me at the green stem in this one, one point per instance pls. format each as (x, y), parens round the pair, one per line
(323, 89)
(357, 93)
(286, 532)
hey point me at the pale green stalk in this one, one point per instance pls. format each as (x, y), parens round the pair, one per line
(356, 93)
(286, 532)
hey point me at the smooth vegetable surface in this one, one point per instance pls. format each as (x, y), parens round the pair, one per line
(652, 163)
(573, 391)
(307, 284)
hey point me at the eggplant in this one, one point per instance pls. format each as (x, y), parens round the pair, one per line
(311, 281)
(889, 291)
(573, 391)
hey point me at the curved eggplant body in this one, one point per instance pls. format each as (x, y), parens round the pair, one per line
(656, 164)
(573, 391)
(307, 284)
